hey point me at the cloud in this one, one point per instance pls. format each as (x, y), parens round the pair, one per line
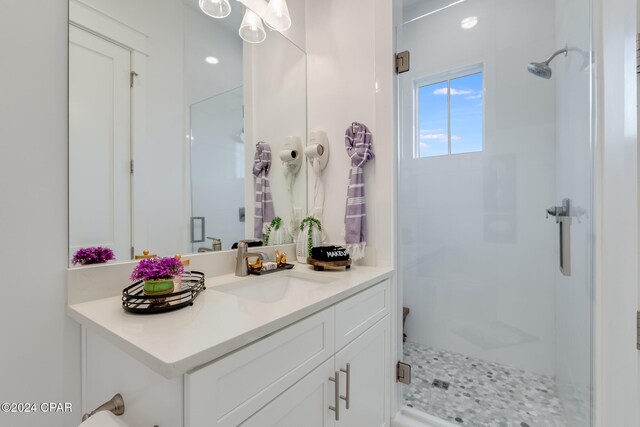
(477, 96)
(437, 137)
(454, 91)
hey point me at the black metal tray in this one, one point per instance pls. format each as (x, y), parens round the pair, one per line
(263, 272)
(135, 301)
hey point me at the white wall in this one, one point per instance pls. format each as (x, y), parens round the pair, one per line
(350, 78)
(275, 75)
(477, 256)
(40, 356)
(616, 214)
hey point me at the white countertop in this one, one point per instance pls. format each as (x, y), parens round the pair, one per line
(218, 323)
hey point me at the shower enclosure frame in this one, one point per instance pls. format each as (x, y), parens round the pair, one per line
(615, 359)
(398, 154)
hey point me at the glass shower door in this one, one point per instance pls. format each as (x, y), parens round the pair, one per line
(496, 266)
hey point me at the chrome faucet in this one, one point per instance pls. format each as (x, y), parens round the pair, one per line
(242, 267)
(216, 245)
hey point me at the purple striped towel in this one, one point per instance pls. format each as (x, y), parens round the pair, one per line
(358, 143)
(264, 212)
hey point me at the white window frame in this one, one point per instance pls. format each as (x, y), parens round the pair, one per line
(446, 76)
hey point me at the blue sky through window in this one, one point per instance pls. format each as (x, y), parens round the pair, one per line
(434, 123)
(466, 116)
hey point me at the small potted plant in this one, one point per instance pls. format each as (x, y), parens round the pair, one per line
(309, 237)
(157, 274)
(275, 233)
(92, 255)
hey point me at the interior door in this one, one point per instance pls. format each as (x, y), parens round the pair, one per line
(99, 144)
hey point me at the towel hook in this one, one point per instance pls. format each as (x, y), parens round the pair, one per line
(354, 127)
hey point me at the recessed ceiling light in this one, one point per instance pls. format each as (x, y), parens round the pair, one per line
(212, 60)
(469, 22)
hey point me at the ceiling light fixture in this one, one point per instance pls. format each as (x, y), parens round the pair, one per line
(251, 29)
(215, 8)
(469, 22)
(277, 16)
(212, 60)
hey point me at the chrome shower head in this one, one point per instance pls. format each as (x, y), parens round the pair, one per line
(542, 69)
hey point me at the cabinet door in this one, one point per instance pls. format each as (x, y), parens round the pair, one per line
(230, 390)
(304, 404)
(368, 359)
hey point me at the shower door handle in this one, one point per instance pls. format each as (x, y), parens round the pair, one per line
(563, 219)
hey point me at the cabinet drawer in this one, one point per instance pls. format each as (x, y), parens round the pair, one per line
(305, 404)
(358, 313)
(230, 390)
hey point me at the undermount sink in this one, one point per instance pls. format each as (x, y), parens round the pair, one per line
(276, 287)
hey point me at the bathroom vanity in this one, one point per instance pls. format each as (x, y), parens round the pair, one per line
(288, 349)
(298, 348)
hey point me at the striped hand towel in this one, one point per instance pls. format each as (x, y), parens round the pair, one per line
(264, 212)
(358, 143)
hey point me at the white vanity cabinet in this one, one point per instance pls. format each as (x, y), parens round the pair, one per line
(308, 402)
(284, 379)
(281, 379)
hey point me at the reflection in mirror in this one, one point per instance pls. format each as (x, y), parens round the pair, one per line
(166, 106)
(217, 169)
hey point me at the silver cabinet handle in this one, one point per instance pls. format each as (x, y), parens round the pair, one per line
(347, 371)
(336, 380)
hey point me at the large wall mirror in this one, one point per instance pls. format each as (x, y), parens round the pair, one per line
(167, 107)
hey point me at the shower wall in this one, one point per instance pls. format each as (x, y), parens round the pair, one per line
(478, 258)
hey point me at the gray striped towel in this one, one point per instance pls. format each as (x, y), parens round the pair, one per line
(264, 212)
(358, 143)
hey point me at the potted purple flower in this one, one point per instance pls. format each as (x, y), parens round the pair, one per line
(92, 255)
(157, 274)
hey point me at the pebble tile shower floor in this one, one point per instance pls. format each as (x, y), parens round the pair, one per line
(480, 393)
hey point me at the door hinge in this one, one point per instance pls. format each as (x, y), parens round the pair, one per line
(638, 331)
(131, 166)
(638, 53)
(403, 373)
(132, 74)
(402, 62)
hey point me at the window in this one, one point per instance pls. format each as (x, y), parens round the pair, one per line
(450, 114)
